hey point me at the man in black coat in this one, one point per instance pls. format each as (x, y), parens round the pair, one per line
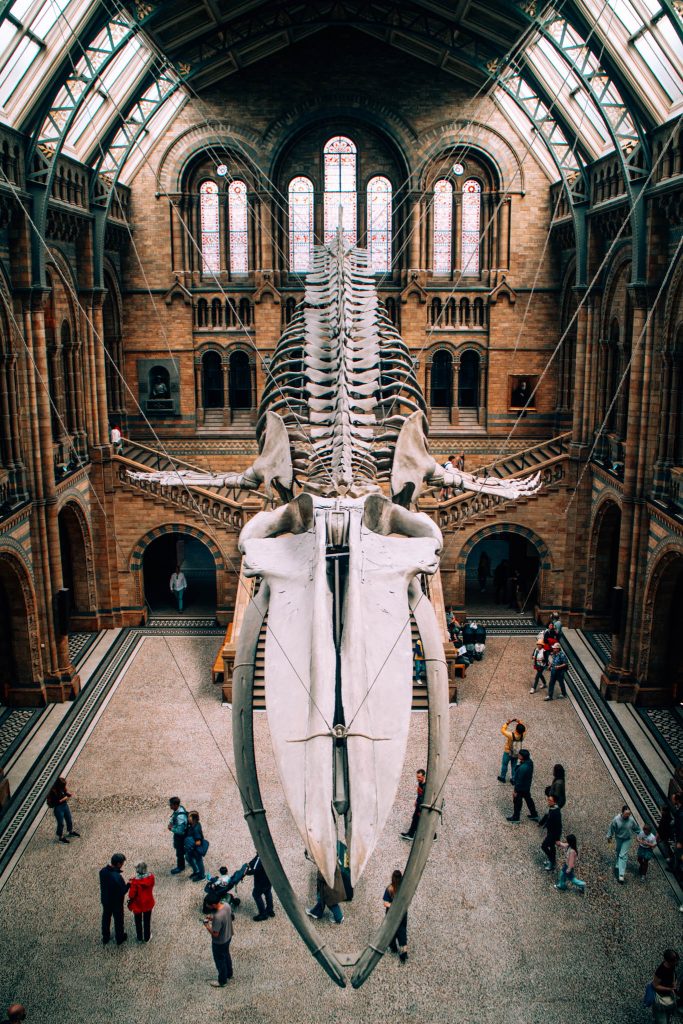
(113, 888)
(524, 773)
(552, 820)
(262, 889)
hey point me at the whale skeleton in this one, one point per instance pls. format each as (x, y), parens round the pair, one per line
(341, 415)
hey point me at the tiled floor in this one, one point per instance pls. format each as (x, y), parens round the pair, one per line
(490, 939)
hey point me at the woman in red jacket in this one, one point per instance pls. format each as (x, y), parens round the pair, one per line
(141, 900)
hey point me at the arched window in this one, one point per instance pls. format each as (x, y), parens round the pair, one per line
(340, 189)
(443, 226)
(300, 225)
(237, 228)
(216, 313)
(471, 227)
(210, 227)
(379, 224)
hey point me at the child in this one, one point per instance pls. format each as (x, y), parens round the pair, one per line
(567, 874)
(646, 841)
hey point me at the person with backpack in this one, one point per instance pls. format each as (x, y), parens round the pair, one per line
(552, 822)
(262, 891)
(178, 826)
(557, 786)
(523, 779)
(196, 847)
(329, 897)
(58, 800)
(558, 666)
(141, 901)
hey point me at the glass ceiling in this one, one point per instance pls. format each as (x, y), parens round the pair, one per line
(600, 73)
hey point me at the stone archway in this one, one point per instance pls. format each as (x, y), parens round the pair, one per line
(523, 550)
(20, 665)
(77, 566)
(602, 565)
(662, 675)
(152, 568)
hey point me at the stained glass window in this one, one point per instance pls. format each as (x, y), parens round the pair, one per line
(340, 188)
(379, 224)
(237, 228)
(300, 225)
(471, 226)
(443, 226)
(211, 236)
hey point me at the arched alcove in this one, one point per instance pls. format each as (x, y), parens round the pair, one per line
(604, 562)
(490, 582)
(468, 380)
(17, 661)
(441, 389)
(213, 395)
(664, 668)
(76, 565)
(239, 381)
(160, 557)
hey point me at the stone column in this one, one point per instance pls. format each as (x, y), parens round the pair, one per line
(503, 254)
(100, 373)
(414, 226)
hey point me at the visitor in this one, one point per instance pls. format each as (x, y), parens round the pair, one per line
(513, 744)
(399, 943)
(646, 841)
(568, 869)
(141, 900)
(178, 587)
(419, 663)
(421, 777)
(552, 822)
(458, 462)
(523, 778)
(557, 786)
(262, 891)
(539, 663)
(329, 897)
(196, 847)
(677, 801)
(557, 624)
(448, 467)
(15, 1012)
(113, 888)
(219, 925)
(483, 571)
(479, 640)
(622, 829)
(58, 800)
(116, 440)
(665, 835)
(664, 983)
(178, 826)
(558, 665)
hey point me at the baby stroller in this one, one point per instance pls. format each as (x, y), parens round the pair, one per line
(218, 889)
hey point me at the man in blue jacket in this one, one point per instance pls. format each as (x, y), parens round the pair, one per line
(524, 773)
(113, 888)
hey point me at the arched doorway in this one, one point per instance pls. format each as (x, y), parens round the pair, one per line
(665, 668)
(605, 562)
(212, 381)
(16, 662)
(239, 381)
(468, 380)
(441, 392)
(74, 567)
(197, 564)
(502, 575)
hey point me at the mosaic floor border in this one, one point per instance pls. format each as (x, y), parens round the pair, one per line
(15, 723)
(600, 642)
(666, 725)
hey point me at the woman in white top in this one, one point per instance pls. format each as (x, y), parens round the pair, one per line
(178, 586)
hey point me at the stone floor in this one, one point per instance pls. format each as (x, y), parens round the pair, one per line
(490, 939)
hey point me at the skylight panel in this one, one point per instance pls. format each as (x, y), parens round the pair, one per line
(16, 67)
(47, 17)
(661, 67)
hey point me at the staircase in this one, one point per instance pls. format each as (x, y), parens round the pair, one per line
(547, 458)
(216, 504)
(465, 421)
(213, 422)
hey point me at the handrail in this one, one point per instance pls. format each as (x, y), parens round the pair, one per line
(159, 488)
(466, 495)
(161, 455)
(525, 451)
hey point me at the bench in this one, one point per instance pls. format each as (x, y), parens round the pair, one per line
(218, 666)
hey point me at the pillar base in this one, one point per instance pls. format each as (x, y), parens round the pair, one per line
(618, 684)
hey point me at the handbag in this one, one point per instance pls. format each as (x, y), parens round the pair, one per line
(667, 1001)
(203, 847)
(649, 996)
